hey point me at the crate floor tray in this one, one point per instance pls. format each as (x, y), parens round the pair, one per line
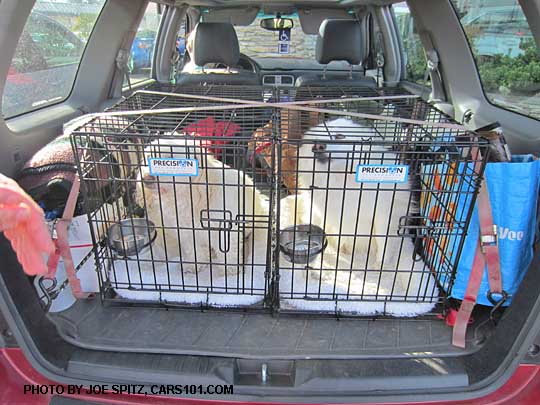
(235, 290)
(373, 292)
(250, 335)
(384, 292)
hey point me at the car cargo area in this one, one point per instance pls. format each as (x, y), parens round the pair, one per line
(257, 311)
(288, 197)
(254, 335)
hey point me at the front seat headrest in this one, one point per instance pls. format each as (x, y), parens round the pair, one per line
(339, 40)
(214, 42)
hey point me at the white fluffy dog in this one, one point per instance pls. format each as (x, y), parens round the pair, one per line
(180, 207)
(361, 220)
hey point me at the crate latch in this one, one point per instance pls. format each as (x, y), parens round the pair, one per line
(220, 221)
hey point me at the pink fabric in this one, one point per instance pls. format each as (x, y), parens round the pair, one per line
(212, 128)
(23, 224)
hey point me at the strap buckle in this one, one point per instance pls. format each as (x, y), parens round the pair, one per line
(52, 228)
(497, 302)
(122, 59)
(432, 60)
(380, 60)
(489, 239)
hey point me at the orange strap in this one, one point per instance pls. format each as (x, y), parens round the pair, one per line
(62, 243)
(487, 253)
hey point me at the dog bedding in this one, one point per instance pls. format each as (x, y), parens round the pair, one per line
(143, 276)
(383, 290)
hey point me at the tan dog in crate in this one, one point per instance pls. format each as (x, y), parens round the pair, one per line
(361, 219)
(292, 125)
(213, 218)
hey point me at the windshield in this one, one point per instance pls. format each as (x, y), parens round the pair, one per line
(257, 42)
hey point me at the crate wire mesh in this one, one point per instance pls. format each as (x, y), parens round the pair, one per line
(210, 232)
(379, 247)
(388, 244)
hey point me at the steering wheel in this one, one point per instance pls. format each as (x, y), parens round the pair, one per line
(244, 62)
(248, 63)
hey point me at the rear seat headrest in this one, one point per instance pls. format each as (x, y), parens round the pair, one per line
(340, 40)
(214, 42)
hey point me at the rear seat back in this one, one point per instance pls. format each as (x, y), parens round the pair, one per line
(338, 40)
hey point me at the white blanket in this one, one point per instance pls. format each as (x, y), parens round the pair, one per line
(384, 292)
(158, 282)
(371, 292)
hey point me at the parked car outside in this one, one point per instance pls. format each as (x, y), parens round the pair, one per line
(47, 53)
(143, 49)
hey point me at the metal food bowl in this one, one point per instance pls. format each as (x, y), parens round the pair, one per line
(129, 236)
(302, 243)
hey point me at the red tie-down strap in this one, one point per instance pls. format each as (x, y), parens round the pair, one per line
(62, 244)
(487, 254)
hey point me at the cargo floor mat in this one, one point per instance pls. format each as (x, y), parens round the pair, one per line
(91, 325)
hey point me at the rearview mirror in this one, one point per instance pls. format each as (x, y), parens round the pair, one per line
(276, 24)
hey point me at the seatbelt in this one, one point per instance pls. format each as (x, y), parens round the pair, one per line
(487, 255)
(176, 59)
(432, 56)
(122, 68)
(379, 61)
(363, 18)
(379, 57)
(122, 58)
(62, 244)
(122, 64)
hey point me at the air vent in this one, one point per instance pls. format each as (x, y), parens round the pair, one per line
(287, 80)
(278, 80)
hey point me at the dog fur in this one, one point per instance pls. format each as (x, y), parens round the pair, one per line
(174, 205)
(361, 220)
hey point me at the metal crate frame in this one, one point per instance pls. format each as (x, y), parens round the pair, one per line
(417, 120)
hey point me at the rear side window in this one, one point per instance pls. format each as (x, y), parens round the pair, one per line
(507, 57)
(45, 63)
(413, 51)
(142, 48)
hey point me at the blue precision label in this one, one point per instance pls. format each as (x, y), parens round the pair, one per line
(173, 167)
(382, 173)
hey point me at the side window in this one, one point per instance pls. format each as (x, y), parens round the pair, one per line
(45, 63)
(181, 39)
(414, 56)
(142, 48)
(180, 56)
(507, 57)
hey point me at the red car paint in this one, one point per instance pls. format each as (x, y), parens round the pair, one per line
(523, 388)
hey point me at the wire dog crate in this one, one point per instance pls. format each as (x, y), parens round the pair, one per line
(186, 221)
(310, 199)
(376, 209)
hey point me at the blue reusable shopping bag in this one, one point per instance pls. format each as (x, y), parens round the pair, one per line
(513, 192)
